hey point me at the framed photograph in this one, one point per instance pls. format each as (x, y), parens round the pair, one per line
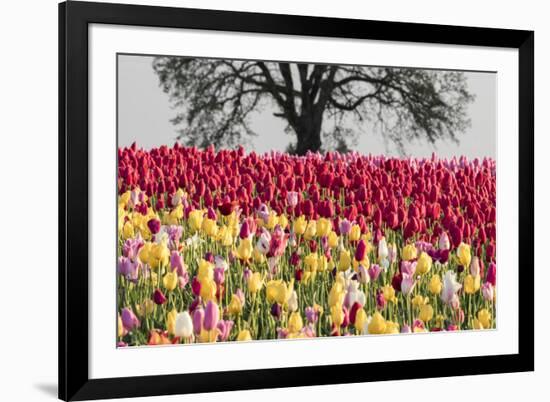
(257, 200)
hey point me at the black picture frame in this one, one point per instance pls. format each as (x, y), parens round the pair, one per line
(74, 18)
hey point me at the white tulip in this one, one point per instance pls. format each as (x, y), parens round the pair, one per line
(444, 243)
(263, 242)
(383, 251)
(184, 325)
(293, 301)
(475, 268)
(450, 287)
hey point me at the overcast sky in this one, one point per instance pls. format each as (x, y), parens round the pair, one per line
(144, 114)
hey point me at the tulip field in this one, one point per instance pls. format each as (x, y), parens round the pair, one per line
(225, 245)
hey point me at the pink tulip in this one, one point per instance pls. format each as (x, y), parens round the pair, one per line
(129, 319)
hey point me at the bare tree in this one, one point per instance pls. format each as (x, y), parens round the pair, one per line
(215, 98)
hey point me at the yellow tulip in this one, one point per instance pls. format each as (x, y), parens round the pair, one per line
(124, 198)
(470, 284)
(336, 295)
(205, 270)
(424, 263)
(332, 239)
(484, 318)
(144, 252)
(278, 291)
(173, 217)
(391, 327)
(235, 306)
(170, 280)
(195, 219)
(389, 293)
(311, 230)
(310, 262)
(272, 221)
(244, 335)
(322, 263)
(337, 314)
(225, 236)
(464, 255)
(254, 283)
(295, 322)
(300, 225)
(208, 336)
(355, 233)
(120, 327)
(283, 221)
(426, 313)
(435, 285)
(360, 319)
(127, 230)
(476, 324)
(159, 256)
(344, 261)
(210, 227)
(377, 324)
(409, 252)
(208, 289)
(121, 218)
(244, 251)
(324, 227)
(419, 301)
(171, 321)
(178, 211)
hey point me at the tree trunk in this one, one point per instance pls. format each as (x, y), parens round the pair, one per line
(308, 133)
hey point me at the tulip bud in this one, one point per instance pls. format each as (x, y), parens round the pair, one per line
(292, 198)
(380, 300)
(154, 225)
(407, 284)
(396, 281)
(363, 274)
(374, 271)
(492, 274)
(312, 315)
(224, 328)
(244, 335)
(383, 251)
(211, 214)
(276, 310)
(198, 318)
(219, 275)
(353, 311)
(361, 251)
(196, 286)
(158, 297)
(129, 319)
(444, 243)
(488, 291)
(490, 251)
(475, 266)
(245, 230)
(392, 253)
(184, 325)
(211, 316)
(344, 227)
